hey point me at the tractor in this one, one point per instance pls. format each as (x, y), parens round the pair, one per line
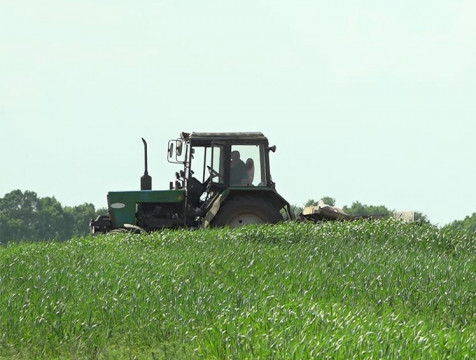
(225, 180)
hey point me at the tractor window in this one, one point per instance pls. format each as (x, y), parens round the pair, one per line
(247, 167)
(217, 165)
(207, 161)
(197, 164)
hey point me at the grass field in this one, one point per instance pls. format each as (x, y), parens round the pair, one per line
(380, 289)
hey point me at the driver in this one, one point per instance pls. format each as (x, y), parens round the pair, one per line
(238, 170)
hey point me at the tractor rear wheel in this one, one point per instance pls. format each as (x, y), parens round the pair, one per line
(246, 210)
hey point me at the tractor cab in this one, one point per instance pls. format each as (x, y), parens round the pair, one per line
(230, 170)
(215, 162)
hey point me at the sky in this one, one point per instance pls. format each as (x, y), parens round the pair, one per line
(370, 101)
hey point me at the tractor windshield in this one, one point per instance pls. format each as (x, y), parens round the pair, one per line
(207, 162)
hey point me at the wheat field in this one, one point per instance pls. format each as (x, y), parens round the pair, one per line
(362, 290)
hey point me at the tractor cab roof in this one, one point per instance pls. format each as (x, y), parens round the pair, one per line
(207, 137)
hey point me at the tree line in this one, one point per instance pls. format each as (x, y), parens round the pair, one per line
(468, 224)
(24, 216)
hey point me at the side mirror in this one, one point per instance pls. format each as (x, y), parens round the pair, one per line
(179, 147)
(175, 151)
(171, 150)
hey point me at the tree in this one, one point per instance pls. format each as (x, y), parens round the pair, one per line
(359, 209)
(468, 224)
(326, 200)
(26, 217)
(421, 218)
(18, 215)
(79, 217)
(52, 222)
(296, 210)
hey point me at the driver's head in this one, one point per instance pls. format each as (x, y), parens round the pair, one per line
(235, 156)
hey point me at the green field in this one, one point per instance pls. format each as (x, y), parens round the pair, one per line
(380, 289)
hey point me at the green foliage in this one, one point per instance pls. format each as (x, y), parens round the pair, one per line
(365, 289)
(359, 209)
(468, 224)
(421, 218)
(26, 217)
(80, 216)
(296, 210)
(326, 199)
(16, 214)
(329, 201)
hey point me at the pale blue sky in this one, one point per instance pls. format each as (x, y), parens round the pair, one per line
(370, 101)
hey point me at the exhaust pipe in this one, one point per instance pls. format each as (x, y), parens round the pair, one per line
(145, 180)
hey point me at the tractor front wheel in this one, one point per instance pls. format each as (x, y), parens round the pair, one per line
(246, 210)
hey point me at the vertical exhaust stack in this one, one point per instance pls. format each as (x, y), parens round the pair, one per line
(145, 180)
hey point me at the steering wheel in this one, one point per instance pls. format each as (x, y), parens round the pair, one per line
(214, 173)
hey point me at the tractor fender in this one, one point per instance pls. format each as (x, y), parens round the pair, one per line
(269, 195)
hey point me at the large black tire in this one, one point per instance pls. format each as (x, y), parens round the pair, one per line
(246, 210)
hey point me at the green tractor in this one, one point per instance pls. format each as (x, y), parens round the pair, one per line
(225, 181)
